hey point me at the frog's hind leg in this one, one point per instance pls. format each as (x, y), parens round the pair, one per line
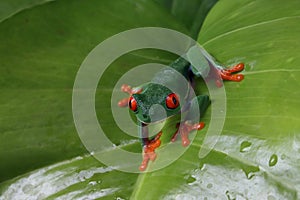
(199, 103)
(149, 145)
(228, 74)
(149, 150)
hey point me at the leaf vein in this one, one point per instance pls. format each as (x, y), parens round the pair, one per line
(250, 26)
(271, 70)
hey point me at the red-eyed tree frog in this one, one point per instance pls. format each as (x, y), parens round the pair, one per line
(159, 92)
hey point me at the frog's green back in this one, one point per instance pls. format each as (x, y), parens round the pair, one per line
(181, 65)
(175, 77)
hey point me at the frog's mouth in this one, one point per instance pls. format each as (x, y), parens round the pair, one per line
(155, 122)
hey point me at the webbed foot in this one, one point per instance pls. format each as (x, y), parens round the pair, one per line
(184, 131)
(127, 89)
(226, 74)
(149, 151)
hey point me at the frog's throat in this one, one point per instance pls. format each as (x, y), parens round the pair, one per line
(156, 122)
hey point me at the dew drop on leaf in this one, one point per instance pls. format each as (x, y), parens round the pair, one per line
(273, 160)
(283, 156)
(250, 175)
(251, 171)
(245, 146)
(92, 183)
(190, 179)
(230, 195)
(27, 188)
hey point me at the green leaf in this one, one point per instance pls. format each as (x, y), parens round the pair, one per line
(257, 155)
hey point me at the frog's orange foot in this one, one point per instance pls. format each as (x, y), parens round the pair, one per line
(226, 74)
(144, 164)
(184, 130)
(123, 102)
(149, 151)
(128, 89)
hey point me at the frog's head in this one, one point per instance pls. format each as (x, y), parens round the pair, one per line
(154, 104)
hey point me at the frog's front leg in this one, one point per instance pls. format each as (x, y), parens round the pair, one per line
(149, 145)
(184, 129)
(128, 89)
(189, 124)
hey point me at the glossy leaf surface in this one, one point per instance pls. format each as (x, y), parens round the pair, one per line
(257, 155)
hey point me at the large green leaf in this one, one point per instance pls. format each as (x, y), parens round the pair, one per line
(257, 155)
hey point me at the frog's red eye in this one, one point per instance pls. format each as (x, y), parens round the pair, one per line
(172, 101)
(132, 104)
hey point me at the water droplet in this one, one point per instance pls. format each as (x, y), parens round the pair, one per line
(92, 183)
(273, 160)
(190, 179)
(245, 146)
(250, 175)
(209, 185)
(27, 188)
(230, 195)
(251, 171)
